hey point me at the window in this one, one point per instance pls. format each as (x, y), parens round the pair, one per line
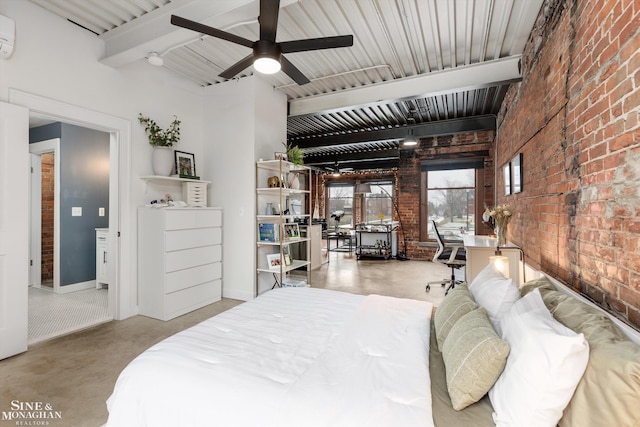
(450, 196)
(340, 206)
(378, 205)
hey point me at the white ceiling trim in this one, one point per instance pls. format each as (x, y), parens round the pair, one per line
(435, 83)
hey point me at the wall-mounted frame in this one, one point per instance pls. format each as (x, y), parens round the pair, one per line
(516, 174)
(290, 230)
(507, 178)
(185, 164)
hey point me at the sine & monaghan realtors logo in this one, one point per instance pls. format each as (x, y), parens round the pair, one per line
(30, 413)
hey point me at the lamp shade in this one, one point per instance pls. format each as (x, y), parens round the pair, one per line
(362, 188)
(410, 140)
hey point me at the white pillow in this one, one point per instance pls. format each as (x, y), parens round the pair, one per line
(543, 369)
(491, 290)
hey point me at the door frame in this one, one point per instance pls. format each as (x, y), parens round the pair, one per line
(38, 149)
(122, 294)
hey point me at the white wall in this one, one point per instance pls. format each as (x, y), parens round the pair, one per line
(249, 123)
(58, 60)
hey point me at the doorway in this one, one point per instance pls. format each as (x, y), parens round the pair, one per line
(68, 298)
(122, 301)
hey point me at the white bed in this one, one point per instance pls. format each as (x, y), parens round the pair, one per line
(291, 357)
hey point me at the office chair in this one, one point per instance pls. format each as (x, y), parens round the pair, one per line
(453, 255)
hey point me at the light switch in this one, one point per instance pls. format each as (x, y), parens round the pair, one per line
(100, 211)
(75, 211)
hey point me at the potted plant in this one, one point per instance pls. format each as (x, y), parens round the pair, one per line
(295, 156)
(162, 142)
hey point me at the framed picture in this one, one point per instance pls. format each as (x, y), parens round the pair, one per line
(286, 255)
(185, 164)
(280, 156)
(516, 173)
(507, 179)
(290, 230)
(273, 260)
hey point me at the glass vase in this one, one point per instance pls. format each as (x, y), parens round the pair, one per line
(501, 234)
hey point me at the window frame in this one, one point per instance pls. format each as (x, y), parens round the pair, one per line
(450, 164)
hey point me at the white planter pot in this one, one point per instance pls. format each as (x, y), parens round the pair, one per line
(162, 161)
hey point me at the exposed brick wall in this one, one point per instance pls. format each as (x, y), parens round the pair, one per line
(47, 201)
(576, 118)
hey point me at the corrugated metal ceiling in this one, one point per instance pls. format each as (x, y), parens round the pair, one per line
(395, 41)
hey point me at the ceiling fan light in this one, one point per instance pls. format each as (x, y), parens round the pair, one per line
(266, 65)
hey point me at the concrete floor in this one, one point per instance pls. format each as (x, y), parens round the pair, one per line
(75, 374)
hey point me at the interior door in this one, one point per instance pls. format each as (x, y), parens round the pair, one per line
(14, 228)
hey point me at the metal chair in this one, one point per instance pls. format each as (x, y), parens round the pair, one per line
(453, 255)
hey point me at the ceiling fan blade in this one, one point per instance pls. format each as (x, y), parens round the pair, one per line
(268, 19)
(293, 72)
(316, 44)
(237, 67)
(210, 31)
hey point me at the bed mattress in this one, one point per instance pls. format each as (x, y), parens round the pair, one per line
(291, 357)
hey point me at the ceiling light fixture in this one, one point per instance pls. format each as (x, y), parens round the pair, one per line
(155, 59)
(410, 140)
(266, 57)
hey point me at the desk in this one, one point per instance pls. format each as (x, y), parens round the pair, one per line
(480, 248)
(337, 236)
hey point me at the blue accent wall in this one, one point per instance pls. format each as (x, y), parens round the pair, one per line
(84, 182)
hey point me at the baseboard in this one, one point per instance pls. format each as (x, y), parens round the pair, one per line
(76, 287)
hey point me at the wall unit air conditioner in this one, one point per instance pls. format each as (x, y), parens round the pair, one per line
(7, 36)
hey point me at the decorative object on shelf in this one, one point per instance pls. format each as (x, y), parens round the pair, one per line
(293, 180)
(159, 137)
(268, 232)
(273, 182)
(280, 156)
(162, 161)
(273, 260)
(185, 165)
(286, 255)
(501, 216)
(195, 193)
(291, 231)
(161, 141)
(294, 154)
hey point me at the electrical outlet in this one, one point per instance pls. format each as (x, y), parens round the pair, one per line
(75, 211)
(100, 211)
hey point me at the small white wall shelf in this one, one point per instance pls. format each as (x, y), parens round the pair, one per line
(160, 179)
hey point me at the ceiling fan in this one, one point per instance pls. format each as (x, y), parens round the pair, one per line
(337, 170)
(267, 55)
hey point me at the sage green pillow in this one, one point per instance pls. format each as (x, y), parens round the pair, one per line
(474, 357)
(609, 392)
(455, 304)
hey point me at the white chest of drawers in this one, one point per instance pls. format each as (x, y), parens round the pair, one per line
(179, 260)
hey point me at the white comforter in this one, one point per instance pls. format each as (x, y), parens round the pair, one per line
(292, 357)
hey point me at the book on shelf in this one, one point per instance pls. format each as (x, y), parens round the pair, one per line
(269, 232)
